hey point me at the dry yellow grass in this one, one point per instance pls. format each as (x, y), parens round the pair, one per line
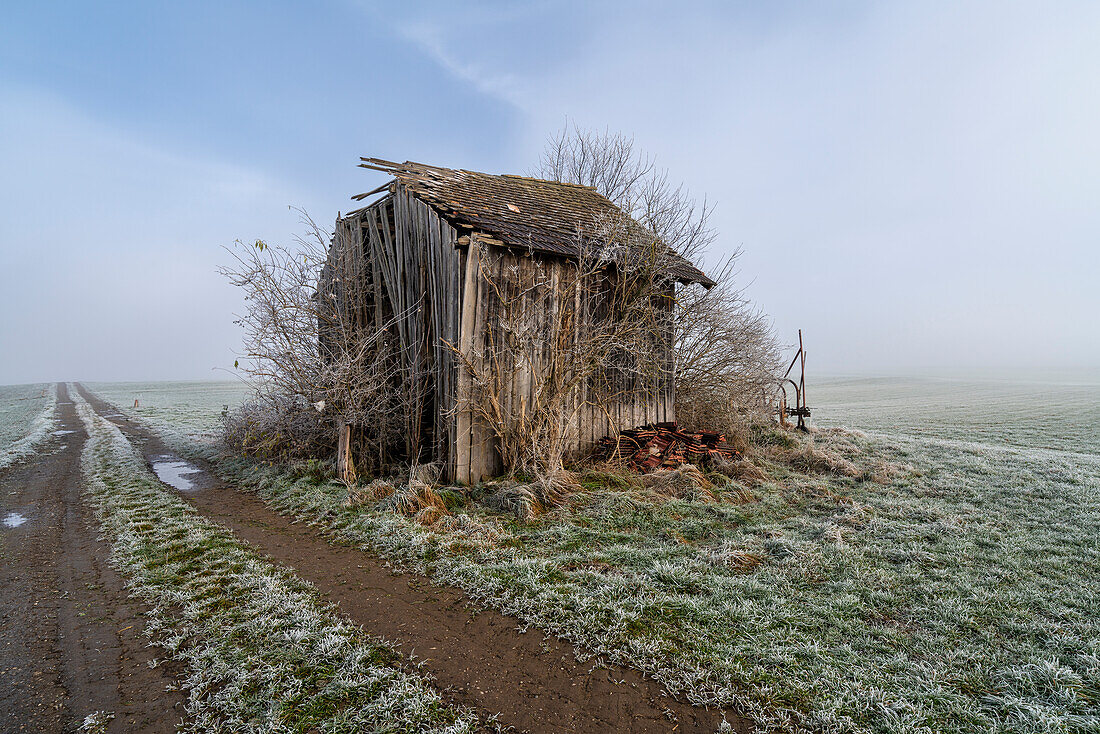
(812, 459)
(685, 482)
(368, 493)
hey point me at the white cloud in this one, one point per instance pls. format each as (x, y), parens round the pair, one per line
(431, 39)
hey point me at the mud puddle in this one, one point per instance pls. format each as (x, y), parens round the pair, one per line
(176, 473)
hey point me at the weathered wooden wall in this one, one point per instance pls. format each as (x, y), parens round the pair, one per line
(403, 254)
(421, 275)
(599, 407)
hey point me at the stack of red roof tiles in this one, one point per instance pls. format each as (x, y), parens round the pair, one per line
(664, 446)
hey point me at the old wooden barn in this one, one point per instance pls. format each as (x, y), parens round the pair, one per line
(431, 251)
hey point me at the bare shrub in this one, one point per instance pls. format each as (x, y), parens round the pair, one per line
(312, 360)
(727, 360)
(609, 163)
(278, 427)
(727, 357)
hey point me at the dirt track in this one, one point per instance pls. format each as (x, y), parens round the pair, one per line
(70, 636)
(478, 656)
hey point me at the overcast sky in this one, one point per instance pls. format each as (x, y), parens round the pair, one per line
(915, 185)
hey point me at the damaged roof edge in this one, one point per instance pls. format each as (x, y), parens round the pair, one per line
(520, 211)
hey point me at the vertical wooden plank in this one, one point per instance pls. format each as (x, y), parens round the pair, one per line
(544, 304)
(524, 364)
(589, 414)
(479, 356)
(432, 305)
(620, 402)
(510, 279)
(556, 314)
(505, 359)
(403, 246)
(411, 255)
(371, 247)
(441, 309)
(453, 303)
(464, 384)
(582, 397)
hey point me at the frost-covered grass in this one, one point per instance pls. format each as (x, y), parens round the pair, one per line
(262, 651)
(1059, 414)
(26, 419)
(960, 594)
(192, 408)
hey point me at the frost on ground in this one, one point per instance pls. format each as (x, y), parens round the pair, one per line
(26, 419)
(96, 722)
(863, 583)
(263, 652)
(191, 408)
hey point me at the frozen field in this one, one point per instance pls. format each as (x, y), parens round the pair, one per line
(960, 593)
(1058, 414)
(193, 408)
(25, 419)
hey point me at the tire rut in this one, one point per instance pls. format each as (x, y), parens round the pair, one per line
(479, 657)
(71, 639)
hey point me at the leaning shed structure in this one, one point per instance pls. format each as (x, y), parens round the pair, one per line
(428, 250)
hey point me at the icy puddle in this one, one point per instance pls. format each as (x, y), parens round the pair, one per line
(176, 472)
(13, 520)
(63, 433)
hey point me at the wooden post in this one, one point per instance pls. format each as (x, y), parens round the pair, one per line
(802, 383)
(345, 465)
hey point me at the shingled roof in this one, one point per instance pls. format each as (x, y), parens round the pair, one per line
(545, 216)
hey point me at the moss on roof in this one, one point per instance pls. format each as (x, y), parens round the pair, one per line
(531, 213)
